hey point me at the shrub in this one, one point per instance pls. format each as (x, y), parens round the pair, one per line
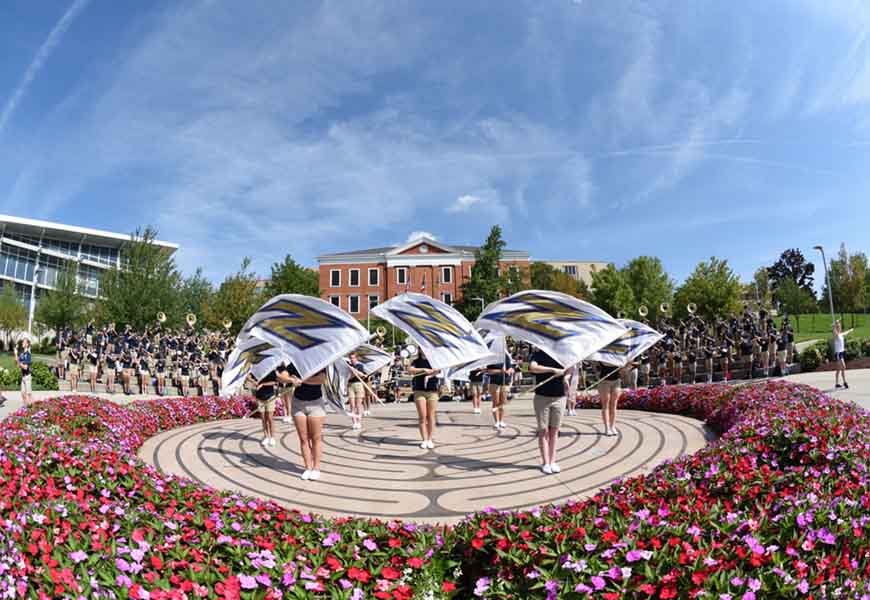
(865, 347)
(810, 359)
(42, 377)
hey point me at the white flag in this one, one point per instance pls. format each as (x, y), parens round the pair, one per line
(311, 332)
(335, 385)
(442, 333)
(564, 327)
(630, 345)
(497, 352)
(250, 355)
(371, 359)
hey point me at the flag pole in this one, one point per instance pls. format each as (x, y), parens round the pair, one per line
(362, 378)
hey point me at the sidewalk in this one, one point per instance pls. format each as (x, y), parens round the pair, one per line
(859, 385)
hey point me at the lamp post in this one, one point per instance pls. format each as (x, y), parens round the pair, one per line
(828, 282)
(32, 302)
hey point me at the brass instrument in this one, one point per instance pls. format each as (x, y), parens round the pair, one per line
(620, 314)
(161, 317)
(643, 311)
(665, 307)
(191, 319)
(692, 308)
(227, 323)
(381, 331)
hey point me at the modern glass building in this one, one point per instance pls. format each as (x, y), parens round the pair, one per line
(32, 253)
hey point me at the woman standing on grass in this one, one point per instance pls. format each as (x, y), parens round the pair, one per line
(840, 354)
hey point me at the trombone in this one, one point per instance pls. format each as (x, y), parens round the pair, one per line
(643, 311)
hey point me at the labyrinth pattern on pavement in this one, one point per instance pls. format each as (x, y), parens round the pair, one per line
(382, 472)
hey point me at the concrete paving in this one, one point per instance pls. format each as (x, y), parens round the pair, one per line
(382, 472)
(859, 385)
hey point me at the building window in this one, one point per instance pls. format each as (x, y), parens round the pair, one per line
(570, 269)
(447, 298)
(402, 275)
(353, 304)
(374, 277)
(373, 301)
(336, 300)
(446, 274)
(335, 278)
(354, 278)
(514, 271)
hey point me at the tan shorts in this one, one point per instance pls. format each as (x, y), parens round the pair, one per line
(476, 388)
(26, 384)
(308, 408)
(781, 355)
(266, 405)
(494, 388)
(549, 410)
(92, 370)
(431, 398)
(609, 385)
(356, 391)
(74, 370)
(185, 380)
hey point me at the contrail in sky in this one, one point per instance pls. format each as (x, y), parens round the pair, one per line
(38, 61)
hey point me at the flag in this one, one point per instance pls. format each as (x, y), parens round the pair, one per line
(312, 333)
(637, 340)
(335, 385)
(497, 352)
(250, 355)
(442, 333)
(566, 328)
(372, 359)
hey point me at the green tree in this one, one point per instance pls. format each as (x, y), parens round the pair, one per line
(194, 295)
(848, 280)
(611, 292)
(792, 265)
(485, 281)
(546, 277)
(236, 299)
(146, 283)
(713, 287)
(650, 284)
(64, 306)
(761, 287)
(289, 277)
(795, 300)
(13, 315)
(542, 275)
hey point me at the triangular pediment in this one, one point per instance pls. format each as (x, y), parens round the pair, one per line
(422, 246)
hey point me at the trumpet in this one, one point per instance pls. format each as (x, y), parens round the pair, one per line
(692, 308)
(620, 314)
(381, 332)
(227, 323)
(665, 307)
(191, 319)
(643, 311)
(161, 317)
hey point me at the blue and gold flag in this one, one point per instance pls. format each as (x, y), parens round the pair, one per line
(638, 339)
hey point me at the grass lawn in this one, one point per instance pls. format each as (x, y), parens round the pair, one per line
(818, 326)
(7, 361)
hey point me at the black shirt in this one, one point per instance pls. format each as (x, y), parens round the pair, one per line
(420, 383)
(608, 372)
(476, 376)
(266, 386)
(500, 378)
(305, 391)
(555, 387)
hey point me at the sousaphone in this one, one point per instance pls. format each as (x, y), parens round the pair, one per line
(692, 308)
(191, 319)
(665, 307)
(643, 311)
(161, 317)
(227, 323)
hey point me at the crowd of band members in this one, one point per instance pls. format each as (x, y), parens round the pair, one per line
(130, 361)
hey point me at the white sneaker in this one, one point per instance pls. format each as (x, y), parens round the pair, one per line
(614, 431)
(477, 411)
(424, 445)
(367, 413)
(306, 475)
(265, 441)
(430, 444)
(502, 424)
(548, 469)
(272, 441)
(287, 419)
(555, 468)
(315, 474)
(607, 431)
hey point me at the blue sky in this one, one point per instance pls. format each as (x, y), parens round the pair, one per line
(588, 129)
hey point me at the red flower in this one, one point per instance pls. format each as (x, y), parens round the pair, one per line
(356, 574)
(395, 543)
(648, 589)
(668, 592)
(478, 543)
(390, 573)
(156, 562)
(448, 587)
(415, 562)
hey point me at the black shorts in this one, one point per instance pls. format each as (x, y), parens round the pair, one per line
(840, 356)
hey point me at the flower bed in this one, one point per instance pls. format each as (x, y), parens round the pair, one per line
(777, 507)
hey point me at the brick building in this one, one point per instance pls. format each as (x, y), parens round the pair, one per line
(359, 280)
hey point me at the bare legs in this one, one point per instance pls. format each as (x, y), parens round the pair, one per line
(609, 395)
(427, 405)
(310, 431)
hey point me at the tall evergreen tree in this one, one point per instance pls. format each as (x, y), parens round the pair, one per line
(485, 281)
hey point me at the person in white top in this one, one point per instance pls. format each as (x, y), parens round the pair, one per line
(840, 354)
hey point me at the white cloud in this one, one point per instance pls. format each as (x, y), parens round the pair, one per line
(54, 38)
(416, 235)
(464, 203)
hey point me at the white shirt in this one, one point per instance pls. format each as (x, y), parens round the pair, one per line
(839, 343)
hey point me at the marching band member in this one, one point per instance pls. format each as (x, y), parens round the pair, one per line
(309, 413)
(111, 365)
(75, 357)
(549, 403)
(265, 395)
(424, 387)
(499, 385)
(356, 392)
(160, 368)
(475, 384)
(608, 392)
(93, 359)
